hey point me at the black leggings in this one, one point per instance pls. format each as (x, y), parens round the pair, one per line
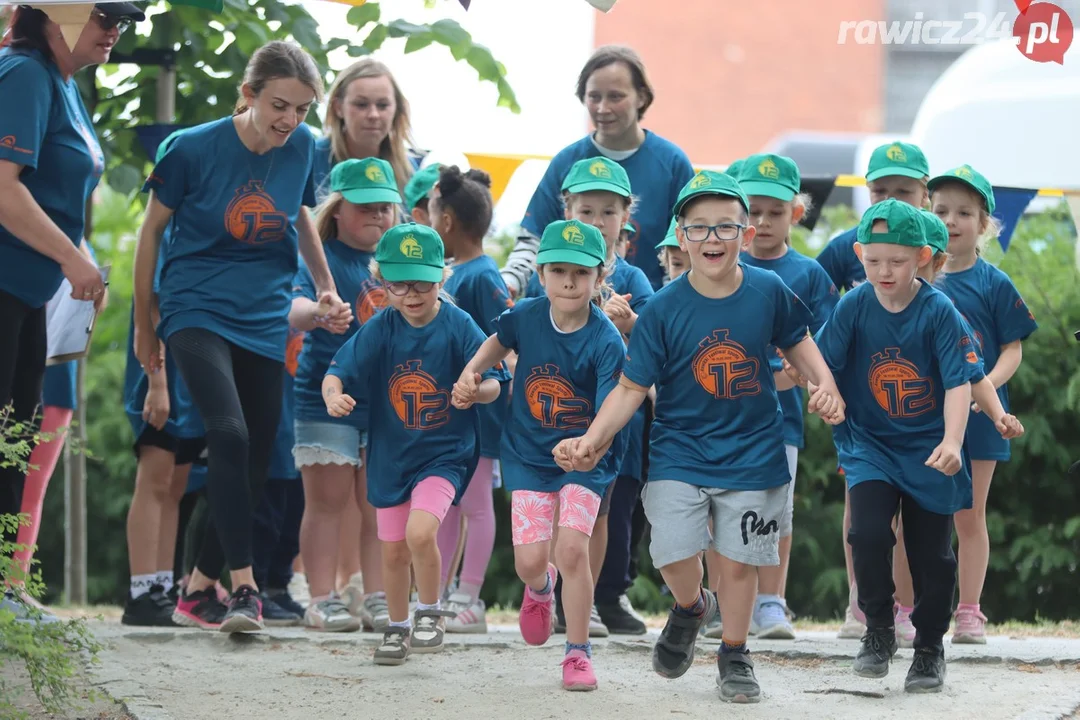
(23, 344)
(238, 396)
(928, 539)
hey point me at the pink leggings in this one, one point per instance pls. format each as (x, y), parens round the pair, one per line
(432, 494)
(479, 507)
(44, 458)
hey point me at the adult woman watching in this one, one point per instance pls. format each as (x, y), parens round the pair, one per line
(50, 163)
(615, 90)
(232, 193)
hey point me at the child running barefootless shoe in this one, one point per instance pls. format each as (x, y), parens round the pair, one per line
(906, 366)
(569, 358)
(716, 457)
(401, 364)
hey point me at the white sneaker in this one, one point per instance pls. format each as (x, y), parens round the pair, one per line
(852, 629)
(770, 622)
(374, 613)
(597, 628)
(353, 594)
(470, 615)
(330, 615)
(624, 603)
(298, 589)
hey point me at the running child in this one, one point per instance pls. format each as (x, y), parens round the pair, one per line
(772, 184)
(716, 458)
(460, 210)
(328, 451)
(906, 365)
(569, 359)
(400, 368)
(987, 298)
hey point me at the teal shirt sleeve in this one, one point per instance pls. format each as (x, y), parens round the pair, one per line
(170, 176)
(472, 338)
(492, 299)
(645, 357)
(1011, 314)
(958, 362)
(303, 284)
(640, 289)
(506, 329)
(823, 296)
(835, 336)
(355, 360)
(24, 117)
(790, 318)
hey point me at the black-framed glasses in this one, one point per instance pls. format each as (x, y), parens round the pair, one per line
(723, 232)
(107, 22)
(402, 288)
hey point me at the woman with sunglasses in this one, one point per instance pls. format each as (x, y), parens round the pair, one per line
(50, 163)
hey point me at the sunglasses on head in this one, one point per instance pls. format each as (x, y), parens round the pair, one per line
(108, 22)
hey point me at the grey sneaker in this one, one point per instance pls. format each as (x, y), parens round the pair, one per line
(714, 629)
(673, 653)
(927, 673)
(330, 615)
(736, 679)
(374, 614)
(394, 649)
(429, 628)
(597, 628)
(878, 648)
(25, 612)
(852, 629)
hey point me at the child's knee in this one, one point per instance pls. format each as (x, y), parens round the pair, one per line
(735, 572)
(396, 554)
(571, 555)
(873, 538)
(531, 561)
(421, 531)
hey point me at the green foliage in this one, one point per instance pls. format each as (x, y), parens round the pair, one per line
(50, 652)
(212, 50)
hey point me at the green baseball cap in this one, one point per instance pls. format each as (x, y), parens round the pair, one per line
(410, 252)
(972, 178)
(897, 158)
(361, 182)
(597, 173)
(628, 227)
(772, 176)
(903, 220)
(671, 239)
(710, 182)
(420, 184)
(571, 241)
(735, 167)
(935, 232)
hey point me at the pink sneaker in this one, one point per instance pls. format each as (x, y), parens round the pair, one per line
(577, 672)
(534, 619)
(969, 627)
(905, 631)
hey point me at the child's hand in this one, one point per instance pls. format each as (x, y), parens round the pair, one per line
(156, 407)
(826, 402)
(340, 405)
(796, 377)
(465, 391)
(945, 458)
(1009, 427)
(564, 454)
(619, 312)
(585, 454)
(334, 318)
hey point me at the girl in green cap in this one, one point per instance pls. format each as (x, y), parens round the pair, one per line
(672, 258)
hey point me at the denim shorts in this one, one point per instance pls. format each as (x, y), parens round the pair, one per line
(324, 443)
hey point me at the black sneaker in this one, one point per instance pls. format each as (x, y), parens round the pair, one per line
(244, 613)
(736, 679)
(927, 673)
(619, 620)
(173, 594)
(200, 609)
(284, 600)
(274, 615)
(673, 653)
(878, 648)
(151, 609)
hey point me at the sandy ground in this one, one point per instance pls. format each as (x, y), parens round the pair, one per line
(290, 673)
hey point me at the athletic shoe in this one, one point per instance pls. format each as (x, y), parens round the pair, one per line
(394, 649)
(534, 618)
(673, 653)
(151, 609)
(852, 629)
(429, 629)
(770, 622)
(274, 615)
(905, 631)
(736, 678)
(200, 609)
(878, 648)
(330, 615)
(374, 613)
(298, 589)
(597, 628)
(24, 611)
(353, 594)
(244, 613)
(621, 619)
(927, 673)
(577, 672)
(469, 615)
(969, 627)
(284, 600)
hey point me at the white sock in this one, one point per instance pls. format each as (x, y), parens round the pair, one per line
(140, 584)
(165, 579)
(436, 606)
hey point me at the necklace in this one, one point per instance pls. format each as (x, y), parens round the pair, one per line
(252, 177)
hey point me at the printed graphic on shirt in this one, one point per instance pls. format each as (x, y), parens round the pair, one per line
(253, 219)
(293, 347)
(417, 399)
(9, 141)
(552, 400)
(372, 299)
(723, 369)
(897, 386)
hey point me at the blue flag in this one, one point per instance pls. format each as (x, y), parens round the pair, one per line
(1010, 205)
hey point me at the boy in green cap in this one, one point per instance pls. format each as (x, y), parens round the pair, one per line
(417, 191)
(400, 367)
(569, 359)
(716, 460)
(672, 257)
(896, 170)
(905, 365)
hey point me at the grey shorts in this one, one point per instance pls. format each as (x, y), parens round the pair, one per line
(744, 524)
(786, 522)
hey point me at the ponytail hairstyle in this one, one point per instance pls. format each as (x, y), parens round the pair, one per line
(468, 195)
(325, 220)
(26, 31)
(274, 61)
